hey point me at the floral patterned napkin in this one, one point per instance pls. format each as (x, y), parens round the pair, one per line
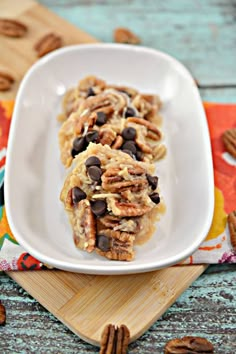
(217, 246)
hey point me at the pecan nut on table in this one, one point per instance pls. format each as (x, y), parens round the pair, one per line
(115, 340)
(2, 314)
(124, 35)
(188, 345)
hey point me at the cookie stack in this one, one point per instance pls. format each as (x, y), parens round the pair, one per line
(109, 134)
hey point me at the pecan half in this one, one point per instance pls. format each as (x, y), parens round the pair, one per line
(135, 179)
(147, 105)
(130, 225)
(108, 101)
(120, 208)
(115, 340)
(81, 122)
(107, 135)
(153, 132)
(2, 314)
(115, 245)
(124, 35)
(6, 80)
(118, 142)
(47, 44)
(158, 152)
(12, 28)
(83, 223)
(188, 345)
(229, 140)
(232, 228)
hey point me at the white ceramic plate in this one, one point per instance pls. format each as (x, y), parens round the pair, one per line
(34, 174)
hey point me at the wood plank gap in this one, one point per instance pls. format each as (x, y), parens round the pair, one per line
(216, 87)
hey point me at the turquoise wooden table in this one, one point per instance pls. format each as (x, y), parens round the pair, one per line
(201, 34)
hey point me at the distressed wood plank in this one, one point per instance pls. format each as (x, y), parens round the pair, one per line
(18, 54)
(206, 308)
(201, 34)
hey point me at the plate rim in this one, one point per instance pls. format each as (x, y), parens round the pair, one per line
(127, 267)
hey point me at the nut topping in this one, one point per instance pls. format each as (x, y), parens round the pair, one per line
(130, 225)
(85, 236)
(107, 135)
(12, 28)
(127, 208)
(47, 44)
(113, 182)
(158, 152)
(188, 345)
(118, 142)
(115, 245)
(153, 132)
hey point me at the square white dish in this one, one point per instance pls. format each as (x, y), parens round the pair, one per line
(34, 174)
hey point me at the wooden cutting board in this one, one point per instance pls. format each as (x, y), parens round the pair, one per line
(85, 303)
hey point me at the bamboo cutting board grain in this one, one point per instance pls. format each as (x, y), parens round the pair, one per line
(85, 303)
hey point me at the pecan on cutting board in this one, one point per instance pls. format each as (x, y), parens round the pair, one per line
(6, 80)
(47, 44)
(12, 28)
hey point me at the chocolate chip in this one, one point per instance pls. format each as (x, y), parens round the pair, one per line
(155, 198)
(91, 92)
(94, 173)
(129, 145)
(99, 207)
(92, 137)
(129, 133)
(92, 161)
(152, 181)
(74, 153)
(130, 112)
(129, 153)
(79, 144)
(77, 195)
(103, 243)
(101, 118)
